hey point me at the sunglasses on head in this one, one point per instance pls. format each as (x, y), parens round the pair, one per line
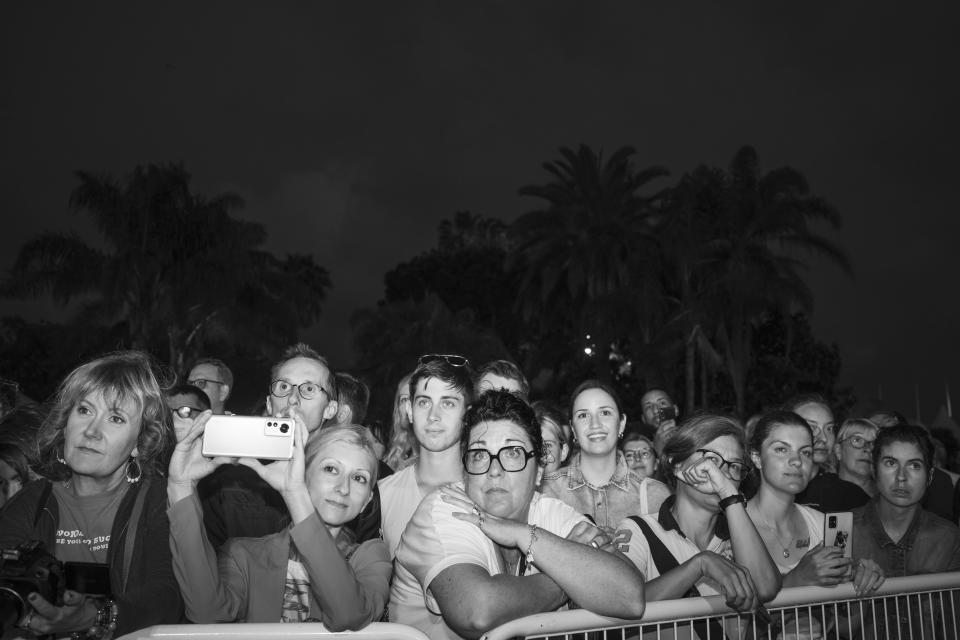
(451, 359)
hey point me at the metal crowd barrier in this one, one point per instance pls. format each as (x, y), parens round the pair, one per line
(271, 630)
(923, 607)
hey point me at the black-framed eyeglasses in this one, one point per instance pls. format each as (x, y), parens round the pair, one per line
(451, 359)
(513, 458)
(637, 456)
(307, 390)
(736, 469)
(859, 442)
(201, 383)
(187, 413)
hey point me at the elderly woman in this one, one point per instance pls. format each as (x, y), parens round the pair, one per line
(702, 542)
(107, 427)
(481, 553)
(781, 449)
(597, 481)
(310, 571)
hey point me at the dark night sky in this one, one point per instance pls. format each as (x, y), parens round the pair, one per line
(352, 129)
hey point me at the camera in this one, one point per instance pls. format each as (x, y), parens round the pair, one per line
(666, 413)
(26, 569)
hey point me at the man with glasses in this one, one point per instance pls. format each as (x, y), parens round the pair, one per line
(236, 501)
(441, 389)
(215, 379)
(185, 401)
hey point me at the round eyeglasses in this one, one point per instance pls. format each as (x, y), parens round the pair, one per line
(859, 442)
(735, 468)
(307, 390)
(638, 456)
(513, 458)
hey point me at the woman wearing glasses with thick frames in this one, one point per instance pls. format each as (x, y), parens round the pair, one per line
(702, 542)
(497, 544)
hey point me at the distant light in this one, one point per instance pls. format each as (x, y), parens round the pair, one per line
(588, 351)
(588, 336)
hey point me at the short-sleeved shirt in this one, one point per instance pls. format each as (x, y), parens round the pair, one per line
(434, 540)
(83, 532)
(400, 496)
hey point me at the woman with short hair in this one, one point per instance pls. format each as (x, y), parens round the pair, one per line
(104, 502)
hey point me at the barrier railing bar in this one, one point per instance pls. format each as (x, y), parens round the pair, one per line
(686, 609)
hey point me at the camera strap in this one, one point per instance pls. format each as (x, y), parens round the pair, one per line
(130, 537)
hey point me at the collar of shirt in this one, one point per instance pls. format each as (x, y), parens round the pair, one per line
(668, 522)
(620, 478)
(872, 517)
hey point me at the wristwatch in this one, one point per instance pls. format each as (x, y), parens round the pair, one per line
(734, 499)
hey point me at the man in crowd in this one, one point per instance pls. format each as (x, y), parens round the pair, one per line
(186, 399)
(660, 413)
(502, 374)
(215, 379)
(441, 389)
(236, 502)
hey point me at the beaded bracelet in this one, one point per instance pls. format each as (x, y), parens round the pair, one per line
(104, 626)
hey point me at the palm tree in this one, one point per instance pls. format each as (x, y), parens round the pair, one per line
(174, 266)
(752, 261)
(592, 248)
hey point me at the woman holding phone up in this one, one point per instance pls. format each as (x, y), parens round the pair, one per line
(311, 570)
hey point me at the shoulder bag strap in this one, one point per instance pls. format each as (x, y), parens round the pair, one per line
(665, 561)
(130, 537)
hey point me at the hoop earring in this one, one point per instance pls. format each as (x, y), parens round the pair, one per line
(134, 479)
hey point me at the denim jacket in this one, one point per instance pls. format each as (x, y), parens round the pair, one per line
(624, 494)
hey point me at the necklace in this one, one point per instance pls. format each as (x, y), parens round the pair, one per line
(776, 536)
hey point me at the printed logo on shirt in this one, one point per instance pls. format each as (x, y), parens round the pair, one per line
(622, 540)
(76, 536)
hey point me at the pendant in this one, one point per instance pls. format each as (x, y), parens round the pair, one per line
(786, 554)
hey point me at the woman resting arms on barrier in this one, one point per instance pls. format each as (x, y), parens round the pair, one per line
(781, 449)
(105, 505)
(702, 542)
(310, 571)
(480, 554)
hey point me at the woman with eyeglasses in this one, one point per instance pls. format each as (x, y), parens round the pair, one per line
(597, 481)
(781, 449)
(702, 542)
(639, 453)
(313, 570)
(491, 549)
(555, 445)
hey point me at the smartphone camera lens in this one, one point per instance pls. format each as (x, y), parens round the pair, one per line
(284, 427)
(833, 522)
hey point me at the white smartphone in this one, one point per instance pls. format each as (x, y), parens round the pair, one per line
(837, 531)
(260, 437)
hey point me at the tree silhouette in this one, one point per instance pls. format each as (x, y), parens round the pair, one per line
(752, 257)
(592, 251)
(175, 267)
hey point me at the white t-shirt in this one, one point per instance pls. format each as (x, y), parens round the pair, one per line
(400, 496)
(434, 540)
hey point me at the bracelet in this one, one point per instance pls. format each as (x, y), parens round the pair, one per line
(533, 537)
(104, 626)
(734, 499)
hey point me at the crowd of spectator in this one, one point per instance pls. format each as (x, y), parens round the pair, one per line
(473, 507)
